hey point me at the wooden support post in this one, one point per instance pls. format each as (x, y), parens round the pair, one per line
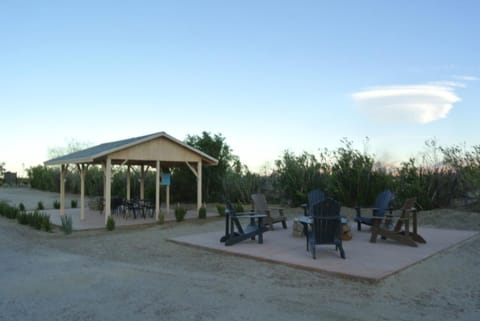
(157, 192)
(63, 171)
(142, 182)
(108, 188)
(128, 182)
(199, 184)
(83, 171)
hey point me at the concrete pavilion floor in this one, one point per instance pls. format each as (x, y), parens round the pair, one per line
(364, 260)
(96, 219)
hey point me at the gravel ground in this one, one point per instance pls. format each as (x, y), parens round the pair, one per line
(136, 274)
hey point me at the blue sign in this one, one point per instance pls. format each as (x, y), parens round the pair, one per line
(165, 179)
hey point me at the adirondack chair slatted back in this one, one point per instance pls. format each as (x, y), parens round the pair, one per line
(327, 224)
(313, 197)
(260, 203)
(382, 203)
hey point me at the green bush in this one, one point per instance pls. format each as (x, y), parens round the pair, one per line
(66, 224)
(56, 204)
(11, 212)
(110, 224)
(202, 213)
(221, 210)
(161, 218)
(238, 208)
(46, 225)
(22, 218)
(40, 206)
(73, 203)
(21, 207)
(180, 213)
(35, 220)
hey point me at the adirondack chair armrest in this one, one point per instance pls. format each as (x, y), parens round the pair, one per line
(358, 210)
(333, 218)
(305, 208)
(279, 209)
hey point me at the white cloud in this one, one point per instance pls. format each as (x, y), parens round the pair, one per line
(466, 78)
(411, 103)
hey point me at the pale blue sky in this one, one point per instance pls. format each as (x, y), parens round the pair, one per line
(267, 75)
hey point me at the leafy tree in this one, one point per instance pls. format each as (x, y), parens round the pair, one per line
(2, 169)
(44, 178)
(465, 166)
(213, 176)
(295, 175)
(72, 146)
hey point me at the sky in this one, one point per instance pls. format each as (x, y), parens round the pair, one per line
(269, 76)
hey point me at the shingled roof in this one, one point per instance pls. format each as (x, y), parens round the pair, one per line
(96, 154)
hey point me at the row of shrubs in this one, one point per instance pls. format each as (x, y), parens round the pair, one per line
(42, 221)
(35, 219)
(73, 204)
(180, 212)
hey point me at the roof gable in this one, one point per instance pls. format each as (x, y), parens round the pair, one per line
(96, 153)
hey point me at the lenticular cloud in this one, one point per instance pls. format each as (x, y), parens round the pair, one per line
(414, 104)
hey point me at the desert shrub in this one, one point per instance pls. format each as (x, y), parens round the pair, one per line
(46, 225)
(66, 224)
(22, 218)
(40, 206)
(56, 204)
(238, 208)
(202, 213)
(180, 213)
(73, 203)
(296, 175)
(35, 220)
(9, 211)
(110, 224)
(161, 218)
(221, 210)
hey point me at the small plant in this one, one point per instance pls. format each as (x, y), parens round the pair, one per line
(73, 203)
(56, 204)
(202, 213)
(36, 220)
(110, 224)
(22, 218)
(66, 224)
(238, 208)
(180, 213)
(221, 210)
(21, 207)
(46, 223)
(40, 206)
(161, 218)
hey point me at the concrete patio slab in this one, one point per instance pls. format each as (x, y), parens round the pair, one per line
(365, 261)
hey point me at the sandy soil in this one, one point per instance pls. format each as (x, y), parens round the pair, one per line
(135, 274)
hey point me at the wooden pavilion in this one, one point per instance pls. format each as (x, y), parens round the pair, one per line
(158, 150)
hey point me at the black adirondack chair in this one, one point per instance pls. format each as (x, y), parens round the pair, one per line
(326, 227)
(382, 205)
(235, 232)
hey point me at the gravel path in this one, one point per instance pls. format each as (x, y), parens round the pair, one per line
(136, 274)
